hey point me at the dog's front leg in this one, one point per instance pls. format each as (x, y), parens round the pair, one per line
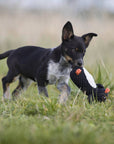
(42, 90)
(65, 92)
(41, 82)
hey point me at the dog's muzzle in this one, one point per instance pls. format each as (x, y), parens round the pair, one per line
(78, 62)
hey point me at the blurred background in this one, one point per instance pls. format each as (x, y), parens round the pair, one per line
(40, 22)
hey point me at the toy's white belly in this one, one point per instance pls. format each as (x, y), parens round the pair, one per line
(90, 78)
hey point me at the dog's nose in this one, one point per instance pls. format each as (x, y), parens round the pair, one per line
(79, 63)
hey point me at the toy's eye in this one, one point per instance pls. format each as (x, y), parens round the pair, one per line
(65, 49)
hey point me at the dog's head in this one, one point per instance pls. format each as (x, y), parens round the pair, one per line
(74, 47)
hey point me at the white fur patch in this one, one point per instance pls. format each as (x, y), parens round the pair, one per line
(90, 78)
(56, 71)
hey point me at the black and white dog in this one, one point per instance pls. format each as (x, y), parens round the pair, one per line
(46, 66)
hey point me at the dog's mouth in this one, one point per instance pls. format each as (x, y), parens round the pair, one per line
(73, 66)
(75, 63)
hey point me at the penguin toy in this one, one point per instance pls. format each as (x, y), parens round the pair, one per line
(84, 80)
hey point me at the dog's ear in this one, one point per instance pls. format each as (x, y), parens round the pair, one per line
(67, 31)
(87, 38)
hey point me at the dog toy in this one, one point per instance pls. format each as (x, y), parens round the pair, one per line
(84, 80)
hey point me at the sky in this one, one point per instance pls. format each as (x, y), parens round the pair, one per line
(55, 4)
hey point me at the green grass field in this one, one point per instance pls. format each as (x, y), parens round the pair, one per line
(39, 120)
(36, 119)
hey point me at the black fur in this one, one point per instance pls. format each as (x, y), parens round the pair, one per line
(31, 62)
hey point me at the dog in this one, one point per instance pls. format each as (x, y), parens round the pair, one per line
(46, 66)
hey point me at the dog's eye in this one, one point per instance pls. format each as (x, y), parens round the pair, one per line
(77, 49)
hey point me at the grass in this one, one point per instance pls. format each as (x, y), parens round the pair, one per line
(36, 119)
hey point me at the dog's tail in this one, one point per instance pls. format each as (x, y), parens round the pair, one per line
(6, 54)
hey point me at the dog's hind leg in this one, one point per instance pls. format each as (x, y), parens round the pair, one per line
(23, 84)
(9, 78)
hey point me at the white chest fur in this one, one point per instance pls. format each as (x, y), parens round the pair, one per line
(58, 72)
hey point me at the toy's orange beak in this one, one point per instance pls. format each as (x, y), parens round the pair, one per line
(107, 90)
(78, 71)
